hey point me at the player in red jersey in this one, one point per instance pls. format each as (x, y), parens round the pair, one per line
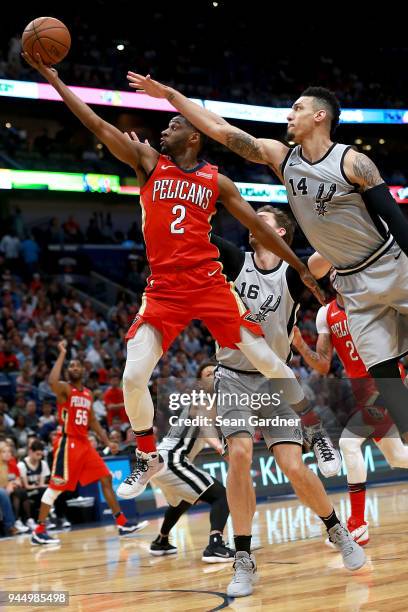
(75, 460)
(178, 197)
(368, 420)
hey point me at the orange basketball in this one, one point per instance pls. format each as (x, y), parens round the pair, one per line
(47, 36)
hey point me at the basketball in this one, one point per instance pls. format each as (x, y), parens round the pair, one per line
(47, 36)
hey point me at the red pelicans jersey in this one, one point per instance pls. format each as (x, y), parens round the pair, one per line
(177, 206)
(74, 414)
(332, 319)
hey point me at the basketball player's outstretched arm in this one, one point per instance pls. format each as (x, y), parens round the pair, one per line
(318, 360)
(362, 171)
(60, 387)
(241, 210)
(259, 150)
(135, 154)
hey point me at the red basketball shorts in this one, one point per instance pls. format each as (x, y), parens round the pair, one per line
(172, 300)
(75, 460)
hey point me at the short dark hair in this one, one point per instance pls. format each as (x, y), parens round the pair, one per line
(203, 137)
(204, 365)
(36, 445)
(329, 100)
(283, 220)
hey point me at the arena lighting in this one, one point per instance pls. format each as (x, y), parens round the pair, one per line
(110, 183)
(247, 112)
(120, 47)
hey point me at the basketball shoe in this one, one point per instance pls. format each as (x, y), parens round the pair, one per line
(245, 576)
(353, 555)
(217, 551)
(328, 458)
(43, 539)
(146, 467)
(161, 546)
(128, 529)
(358, 531)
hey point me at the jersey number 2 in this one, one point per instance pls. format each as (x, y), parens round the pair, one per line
(352, 350)
(179, 208)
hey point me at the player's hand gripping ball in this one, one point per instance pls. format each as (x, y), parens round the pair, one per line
(48, 37)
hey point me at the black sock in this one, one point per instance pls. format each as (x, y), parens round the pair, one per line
(243, 543)
(215, 539)
(330, 521)
(162, 539)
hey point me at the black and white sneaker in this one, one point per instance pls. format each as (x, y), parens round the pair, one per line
(328, 458)
(128, 529)
(218, 553)
(146, 467)
(158, 548)
(43, 539)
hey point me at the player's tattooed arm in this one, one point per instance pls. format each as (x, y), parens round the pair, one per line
(258, 150)
(361, 170)
(318, 360)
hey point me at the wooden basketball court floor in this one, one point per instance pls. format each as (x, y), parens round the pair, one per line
(297, 571)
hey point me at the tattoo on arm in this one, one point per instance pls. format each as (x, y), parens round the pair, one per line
(245, 145)
(365, 169)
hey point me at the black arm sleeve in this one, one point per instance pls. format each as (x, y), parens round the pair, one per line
(231, 257)
(295, 283)
(379, 201)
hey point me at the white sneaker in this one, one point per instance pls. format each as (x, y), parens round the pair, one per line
(242, 583)
(352, 553)
(146, 467)
(328, 458)
(65, 524)
(21, 528)
(31, 524)
(359, 534)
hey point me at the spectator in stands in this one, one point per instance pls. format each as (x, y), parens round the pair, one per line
(8, 420)
(5, 429)
(24, 354)
(72, 230)
(10, 246)
(34, 473)
(20, 430)
(31, 417)
(114, 401)
(111, 346)
(8, 360)
(7, 486)
(30, 337)
(98, 405)
(30, 252)
(93, 233)
(19, 406)
(55, 233)
(25, 380)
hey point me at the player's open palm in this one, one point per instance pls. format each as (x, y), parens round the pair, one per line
(147, 85)
(47, 72)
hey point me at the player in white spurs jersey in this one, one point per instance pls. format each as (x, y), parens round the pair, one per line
(348, 215)
(271, 290)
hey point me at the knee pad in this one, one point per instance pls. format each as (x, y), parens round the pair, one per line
(49, 497)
